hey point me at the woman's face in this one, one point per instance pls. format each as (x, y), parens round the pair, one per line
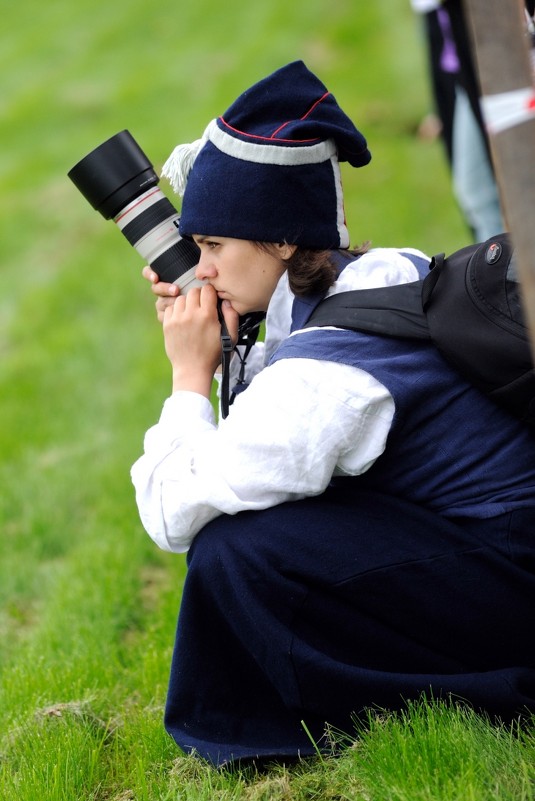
(240, 271)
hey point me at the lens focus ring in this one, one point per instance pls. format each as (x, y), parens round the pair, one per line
(147, 219)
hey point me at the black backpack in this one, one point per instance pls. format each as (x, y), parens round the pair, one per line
(469, 306)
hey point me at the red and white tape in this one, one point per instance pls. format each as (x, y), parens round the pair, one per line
(507, 109)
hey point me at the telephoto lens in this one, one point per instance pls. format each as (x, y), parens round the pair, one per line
(119, 181)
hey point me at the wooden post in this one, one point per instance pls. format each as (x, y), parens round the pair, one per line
(502, 59)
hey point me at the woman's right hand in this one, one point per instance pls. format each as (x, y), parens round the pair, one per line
(166, 293)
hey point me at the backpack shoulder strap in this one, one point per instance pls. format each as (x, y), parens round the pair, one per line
(394, 311)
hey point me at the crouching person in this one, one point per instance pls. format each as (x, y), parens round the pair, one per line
(360, 527)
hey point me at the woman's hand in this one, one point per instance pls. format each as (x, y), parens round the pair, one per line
(192, 334)
(166, 293)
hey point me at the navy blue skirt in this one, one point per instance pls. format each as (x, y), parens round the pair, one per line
(312, 612)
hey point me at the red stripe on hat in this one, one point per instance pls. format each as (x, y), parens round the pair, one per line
(270, 138)
(311, 109)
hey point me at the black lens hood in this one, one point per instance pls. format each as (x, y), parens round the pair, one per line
(114, 174)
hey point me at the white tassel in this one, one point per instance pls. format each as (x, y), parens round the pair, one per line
(178, 166)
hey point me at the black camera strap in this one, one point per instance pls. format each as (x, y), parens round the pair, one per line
(247, 336)
(226, 354)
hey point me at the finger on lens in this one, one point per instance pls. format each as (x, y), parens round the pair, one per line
(164, 290)
(148, 273)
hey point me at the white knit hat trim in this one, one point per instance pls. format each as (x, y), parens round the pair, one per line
(340, 211)
(178, 166)
(276, 154)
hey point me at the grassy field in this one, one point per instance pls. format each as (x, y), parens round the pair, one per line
(87, 603)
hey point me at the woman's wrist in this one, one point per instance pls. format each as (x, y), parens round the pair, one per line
(199, 381)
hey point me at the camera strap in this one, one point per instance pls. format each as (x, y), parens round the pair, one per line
(248, 339)
(226, 354)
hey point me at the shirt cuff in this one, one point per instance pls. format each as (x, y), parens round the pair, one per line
(184, 414)
(183, 408)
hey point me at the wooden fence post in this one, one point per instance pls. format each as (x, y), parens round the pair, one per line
(502, 59)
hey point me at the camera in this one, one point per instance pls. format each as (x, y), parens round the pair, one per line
(119, 181)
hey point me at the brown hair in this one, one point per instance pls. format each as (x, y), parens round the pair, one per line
(312, 271)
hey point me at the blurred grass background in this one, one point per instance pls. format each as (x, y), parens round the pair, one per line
(87, 603)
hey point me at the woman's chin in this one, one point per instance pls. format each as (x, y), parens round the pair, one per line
(240, 308)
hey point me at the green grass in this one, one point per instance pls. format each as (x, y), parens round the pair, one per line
(87, 603)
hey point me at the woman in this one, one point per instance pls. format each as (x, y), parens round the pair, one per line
(360, 527)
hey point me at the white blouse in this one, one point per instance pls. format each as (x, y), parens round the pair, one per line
(300, 422)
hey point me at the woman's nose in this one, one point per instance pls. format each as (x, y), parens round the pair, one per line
(204, 269)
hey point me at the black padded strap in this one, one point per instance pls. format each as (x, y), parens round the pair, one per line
(392, 311)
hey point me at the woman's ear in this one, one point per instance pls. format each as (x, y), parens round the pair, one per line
(286, 251)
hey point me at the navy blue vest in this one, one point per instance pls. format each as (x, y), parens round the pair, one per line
(450, 448)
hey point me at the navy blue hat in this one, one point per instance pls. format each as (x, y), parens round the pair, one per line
(268, 169)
